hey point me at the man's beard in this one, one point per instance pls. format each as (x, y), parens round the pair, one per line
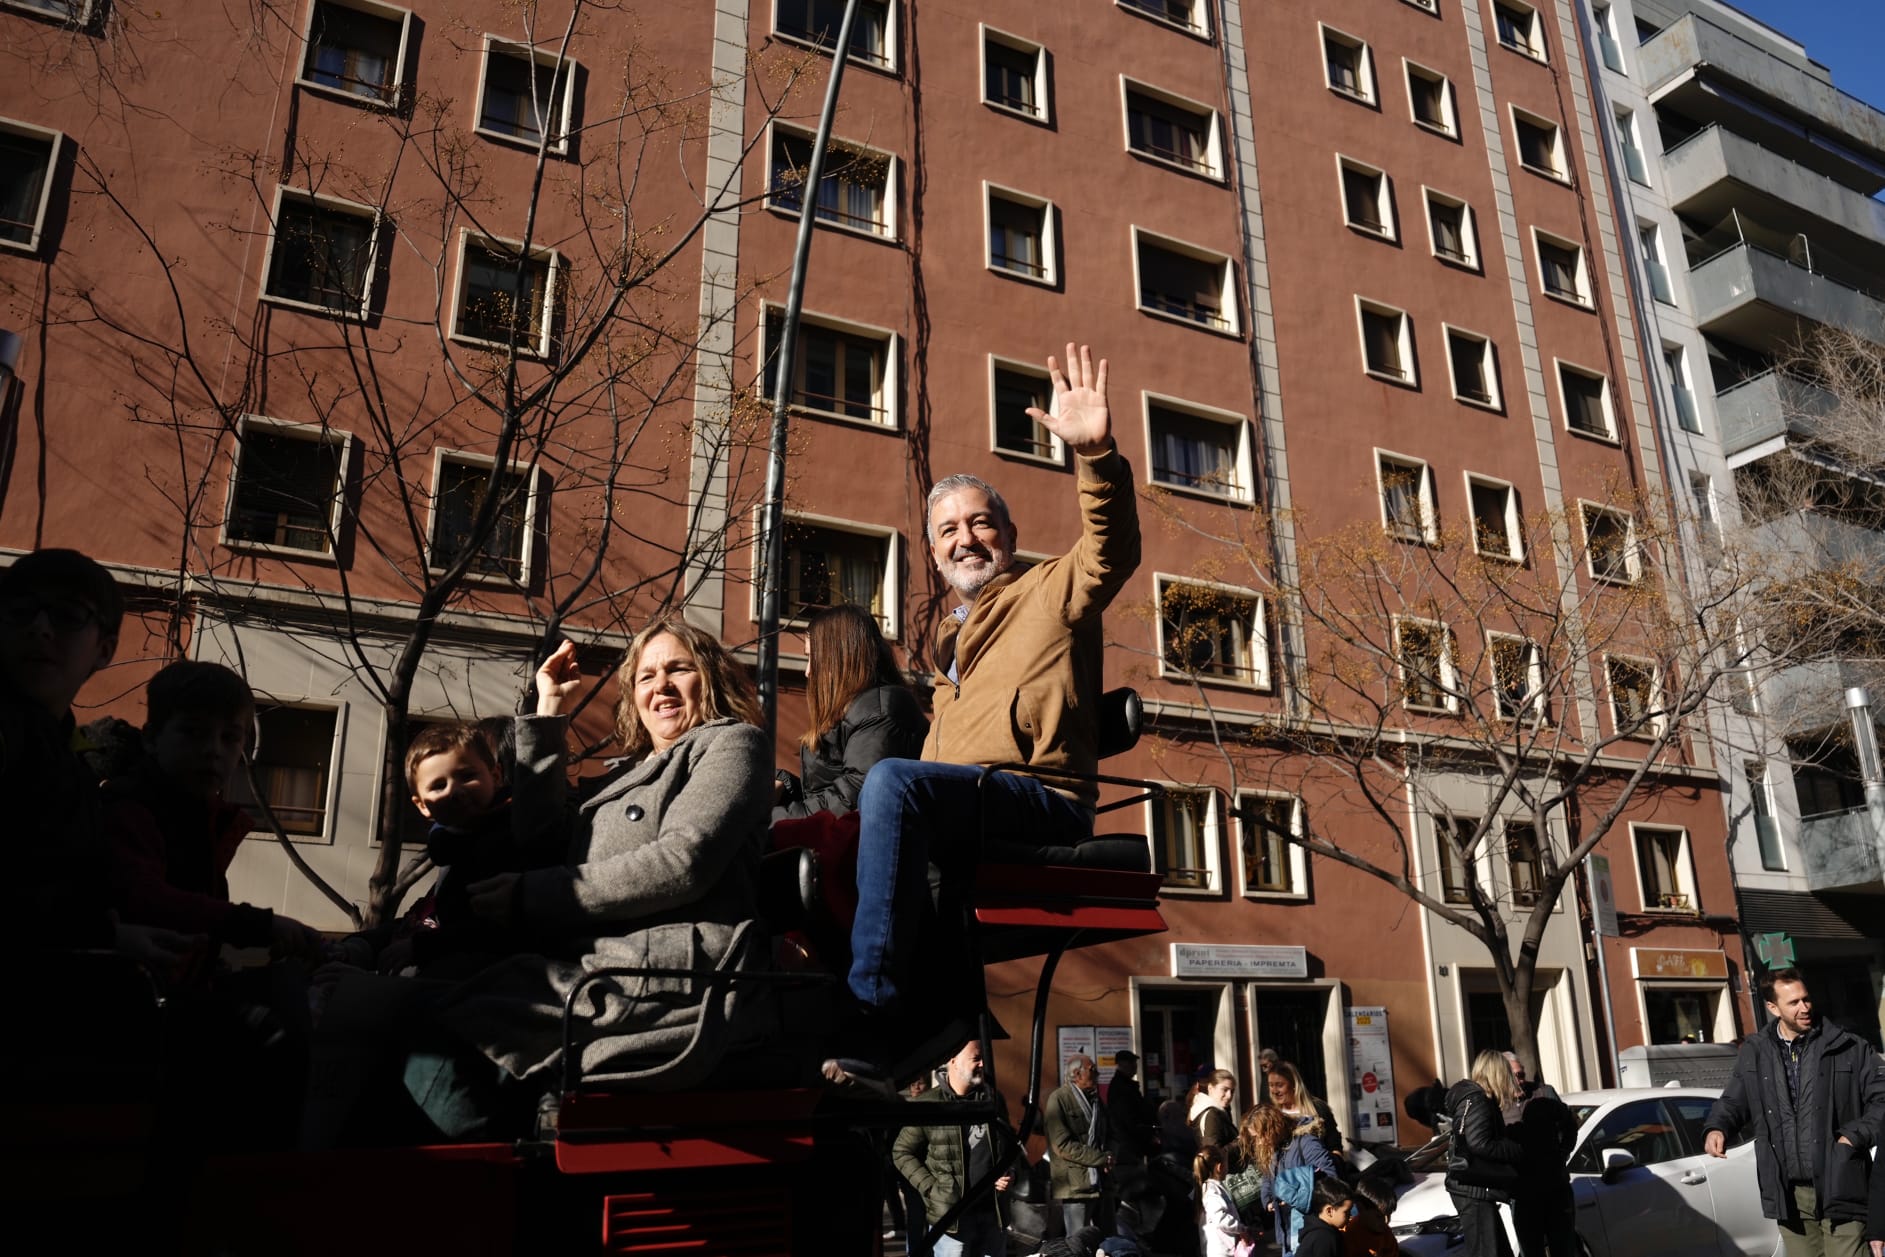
(968, 584)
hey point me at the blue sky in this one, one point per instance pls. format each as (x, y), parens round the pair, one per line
(1845, 36)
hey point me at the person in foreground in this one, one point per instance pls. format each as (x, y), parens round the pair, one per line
(943, 1162)
(1278, 1147)
(1812, 1097)
(1329, 1208)
(1018, 682)
(1482, 1162)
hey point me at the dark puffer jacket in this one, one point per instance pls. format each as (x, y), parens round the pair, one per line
(1845, 1084)
(935, 1161)
(1482, 1160)
(884, 722)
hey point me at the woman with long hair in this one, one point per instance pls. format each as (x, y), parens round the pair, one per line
(1482, 1162)
(1210, 1118)
(1272, 1141)
(1313, 1116)
(861, 712)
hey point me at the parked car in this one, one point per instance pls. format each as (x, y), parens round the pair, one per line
(1642, 1183)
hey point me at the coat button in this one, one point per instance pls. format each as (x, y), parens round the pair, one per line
(634, 812)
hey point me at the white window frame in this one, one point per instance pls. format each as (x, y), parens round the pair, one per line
(1506, 825)
(330, 805)
(533, 497)
(1532, 708)
(1050, 236)
(1706, 504)
(374, 224)
(558, 138)
(1211, 839)
(1684, 870)
(1298, 858)
(1383, 198)
(1469, 229)
(1198, 28)
(1658, 718)
(1675, 356)
(1057, 455)
(540, 347)
(1632, 554)
(79, 17)
(397, 88)
(1370, 93)
(1449, 103)
(1489, 367)
(1630, 137)
(776, 130)
(313, 434)
(1449, 669)
(1258, 634)
(1410, 372)
(892, 620)
(1584, 297)
(1214, 165)
(888, 384)
(1604, 18)
(1560, 170)
(1244, 490)
(1225, 265)
(27, 130)
(1481, 871)
(1534, 46)
(1429, 526)
(1015, 43)
(1609, 435)
(893, 39)
(1514, 524)
(1429, 7)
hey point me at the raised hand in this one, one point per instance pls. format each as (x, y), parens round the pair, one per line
(1078, 414)
(558, 679)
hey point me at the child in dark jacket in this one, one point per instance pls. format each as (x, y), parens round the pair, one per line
(1328, 1214)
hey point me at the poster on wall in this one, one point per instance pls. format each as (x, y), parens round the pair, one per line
(1072, 1039)
(1108, 1043)
(1371, 1074)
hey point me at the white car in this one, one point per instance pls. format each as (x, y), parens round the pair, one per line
(1642, 1183)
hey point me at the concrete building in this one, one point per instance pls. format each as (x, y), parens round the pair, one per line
(1752, 185)
(1357, 267)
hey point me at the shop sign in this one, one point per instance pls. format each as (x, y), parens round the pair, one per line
(1238, 960)
(1652, 962)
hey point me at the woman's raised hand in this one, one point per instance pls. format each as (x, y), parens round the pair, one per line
(558, 679)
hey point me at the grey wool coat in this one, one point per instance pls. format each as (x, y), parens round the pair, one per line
(662, 863)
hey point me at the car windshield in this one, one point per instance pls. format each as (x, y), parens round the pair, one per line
(1582, 1113)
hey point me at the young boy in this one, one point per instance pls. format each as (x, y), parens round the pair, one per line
(1329, 1209)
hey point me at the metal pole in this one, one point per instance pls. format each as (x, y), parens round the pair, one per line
(771, 536)
(1610, 1018)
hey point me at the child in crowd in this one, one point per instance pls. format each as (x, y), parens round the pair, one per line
(1220, 1230)
(1329, 1207)
(1368, 1233)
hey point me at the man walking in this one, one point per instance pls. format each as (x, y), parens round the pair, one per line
(1812, 1097)
(1131, 1127)
(1075, 1121)
(944, 1162)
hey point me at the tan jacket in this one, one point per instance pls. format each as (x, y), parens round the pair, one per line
(1028, 654)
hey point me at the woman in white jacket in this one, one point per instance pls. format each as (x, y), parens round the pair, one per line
(1220, 1230)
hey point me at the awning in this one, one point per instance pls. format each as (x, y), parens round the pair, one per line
(1806, 915)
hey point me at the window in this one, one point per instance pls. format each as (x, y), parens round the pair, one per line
(1199, 449)
(1743, 694)
(1518, 676)
(1423, 654)
(1272, 864)
(322, 253)
(1016, 387)
(1451, 230)
(27, 159)
(1610, 544)
(827, 566)
(1021, 235)
(1632, 144)
(1407, 509)
(286, 489)
(1826, 774)
(855, 190)
(461, 485)
(1662, 865)
(1651, 237)
(1561, 269)
(1520, 29)
(526, 96)
(1635, 696)
(1387, 341)
(840, 369)
(1677, 1014)
(293, 762)
(1367, 202)
(1186, 14)
(1681, 388)
(1474, 367)
(1348, 65)
(72, 12)
(1497, 531)
(816, 22)
(1184, 839)
(356, 48)
(1430, 100)
(1540, 145)
(1169, 129)
(1014, 74)
(1586, 397)
(1640, 1128)
(1766, 824)
(1213, 632)
(1451, 836)
(1604, 19)
(505, 297)
(1707, 518)
(1525, 861)
(1186, 283)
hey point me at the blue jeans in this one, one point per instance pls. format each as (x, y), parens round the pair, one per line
(914, 811)
(978, 1234)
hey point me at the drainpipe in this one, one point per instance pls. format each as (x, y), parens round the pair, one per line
(1865, 741)
(10, 405)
